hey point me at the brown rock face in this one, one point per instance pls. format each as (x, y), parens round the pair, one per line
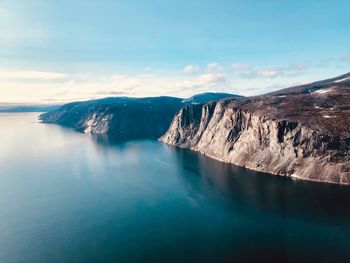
(301, 132)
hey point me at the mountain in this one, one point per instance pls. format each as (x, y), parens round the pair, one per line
(28, 108)
(125, 117)
(208, 96)
(301, 132)
(342, 80)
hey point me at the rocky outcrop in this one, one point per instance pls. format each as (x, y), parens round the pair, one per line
(301, 135)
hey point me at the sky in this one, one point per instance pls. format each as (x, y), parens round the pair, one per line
(54, 51)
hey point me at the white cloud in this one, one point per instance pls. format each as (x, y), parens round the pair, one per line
(87, 86)
(297, 67)
(146, 76)
(262, 73)
(38, 86)
(345, 57)
(211, 79)
(190, 69)
(214, 67)
(269, 73)
(242, 67)
(30, 75)
(71, 82)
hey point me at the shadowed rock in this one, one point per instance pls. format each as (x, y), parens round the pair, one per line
(125, 117)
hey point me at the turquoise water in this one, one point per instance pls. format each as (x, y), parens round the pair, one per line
(67, 197)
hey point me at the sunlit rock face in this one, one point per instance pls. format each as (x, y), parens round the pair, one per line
(302, 132)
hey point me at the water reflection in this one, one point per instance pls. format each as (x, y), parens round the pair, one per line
(65, 197)
(251, 191)
(109, 140)
(264, 192)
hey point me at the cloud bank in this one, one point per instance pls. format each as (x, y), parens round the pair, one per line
(237, 78)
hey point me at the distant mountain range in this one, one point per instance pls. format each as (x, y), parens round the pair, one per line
(301, 132)
(28, 108)
(125, 117)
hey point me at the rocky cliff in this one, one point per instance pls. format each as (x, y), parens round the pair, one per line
(301, 132)
(125, 117)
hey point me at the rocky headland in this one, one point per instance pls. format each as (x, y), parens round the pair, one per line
(125, 117)
(301, 132)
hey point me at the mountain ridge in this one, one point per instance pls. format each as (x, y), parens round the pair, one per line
(300, 132)
(126, 117)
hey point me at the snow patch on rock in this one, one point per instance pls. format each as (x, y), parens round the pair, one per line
(323, 91)
(341, 80)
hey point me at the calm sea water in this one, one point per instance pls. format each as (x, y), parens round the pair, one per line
(67, 197)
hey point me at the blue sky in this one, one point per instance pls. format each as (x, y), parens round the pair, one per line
(53, 51)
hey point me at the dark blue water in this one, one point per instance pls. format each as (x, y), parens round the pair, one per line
(67, 197)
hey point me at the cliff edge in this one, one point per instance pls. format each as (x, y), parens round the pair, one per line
(301, 132)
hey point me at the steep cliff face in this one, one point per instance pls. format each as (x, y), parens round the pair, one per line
(189, 124)
(301, 135)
